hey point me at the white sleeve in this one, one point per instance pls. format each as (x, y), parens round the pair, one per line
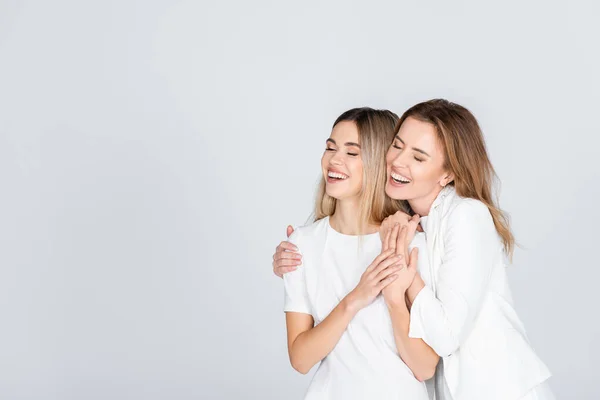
(471, 246)
(296, 296)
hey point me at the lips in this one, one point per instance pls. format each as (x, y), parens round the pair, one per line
(337, 175)
(399, 179)
(334, 176)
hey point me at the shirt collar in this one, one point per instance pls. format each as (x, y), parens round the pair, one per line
(424, 223)
(441, 196)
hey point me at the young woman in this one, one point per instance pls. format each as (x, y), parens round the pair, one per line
(460, 303)
(346, 306)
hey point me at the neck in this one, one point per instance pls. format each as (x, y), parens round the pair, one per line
(422, 205)
(345, 219)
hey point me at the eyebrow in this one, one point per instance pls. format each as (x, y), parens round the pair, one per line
(347, 143)
(414, 148)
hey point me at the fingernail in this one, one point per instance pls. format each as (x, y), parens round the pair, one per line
(297, 256)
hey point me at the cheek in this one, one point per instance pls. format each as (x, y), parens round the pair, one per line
(389, 157)
(324, 160)
(356, 169)
(425, 174)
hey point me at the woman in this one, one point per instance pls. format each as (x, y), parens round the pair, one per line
(460, 303)
(334, 310)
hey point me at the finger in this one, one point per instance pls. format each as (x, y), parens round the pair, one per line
(395, 259)
(286, 262)
(289, 231)
(394, 237)
(382, 284)
(385, 244)
(401, 243)
(414, 258)
(379, 259)
(414, 222)
(401, 217)
(287, 246)
(412, 229)
(287, 255)
(391, 269)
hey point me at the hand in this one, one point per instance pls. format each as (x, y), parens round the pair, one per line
(399, 218)
(396, 240)
(382, 271)
(286, 258)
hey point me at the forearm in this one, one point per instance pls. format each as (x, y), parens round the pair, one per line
(416, 354)
(313, 345)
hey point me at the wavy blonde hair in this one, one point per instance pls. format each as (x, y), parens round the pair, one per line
(465, 156)
(375, 133)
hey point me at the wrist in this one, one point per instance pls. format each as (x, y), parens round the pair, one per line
(414, 289)
(349, 304)
(396, 302)
(399, 309)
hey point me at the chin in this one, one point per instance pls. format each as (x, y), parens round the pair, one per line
(397, 193)
(334, 193)
(340, 194)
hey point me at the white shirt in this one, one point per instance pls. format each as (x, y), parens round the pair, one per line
(465, 313)
(364, 363)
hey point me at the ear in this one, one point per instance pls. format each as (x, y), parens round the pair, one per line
(446, 179)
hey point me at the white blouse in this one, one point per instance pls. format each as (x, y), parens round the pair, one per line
(465, 313)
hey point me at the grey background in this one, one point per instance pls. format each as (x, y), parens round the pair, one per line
(153, 152)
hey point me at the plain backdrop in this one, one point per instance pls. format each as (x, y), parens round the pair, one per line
(153, 152)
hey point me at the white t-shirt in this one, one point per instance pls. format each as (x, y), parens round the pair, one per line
(365, 363)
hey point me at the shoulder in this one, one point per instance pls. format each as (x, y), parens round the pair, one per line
(306, 234)
(466, 208)
(466, 214)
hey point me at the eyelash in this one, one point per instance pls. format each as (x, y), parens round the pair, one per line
(350, 154)
(400, 148)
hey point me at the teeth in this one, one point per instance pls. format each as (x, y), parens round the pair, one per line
(400, 178)
(337, 175)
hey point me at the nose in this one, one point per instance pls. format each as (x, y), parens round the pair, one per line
(399, 160)
(336, 159)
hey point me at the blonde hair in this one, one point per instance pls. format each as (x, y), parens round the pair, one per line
(375, 133)
(465, 156)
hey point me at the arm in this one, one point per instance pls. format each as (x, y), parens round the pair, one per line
(307, 345)
(416, 354)
(444, 320)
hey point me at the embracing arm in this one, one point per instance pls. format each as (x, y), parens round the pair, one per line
(416, 354)
(444, 319)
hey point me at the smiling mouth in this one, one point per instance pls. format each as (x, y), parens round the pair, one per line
(399, 178)
(336, 176)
